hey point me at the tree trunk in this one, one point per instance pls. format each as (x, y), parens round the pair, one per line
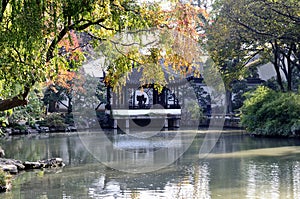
(290, 67)
(12, 103)
(276, 65)
(19, 100)
(228, 101)
(70, 107)
(52, 106)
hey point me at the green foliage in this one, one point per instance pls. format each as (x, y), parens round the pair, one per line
(31, 113)
(3, 178)
(54, 120)
(248, 33)
(238, 90)
(4, 120)
(272, 84)
(194, 110)
(31, 33)
(4, 117)
(270, 113)
(101, 93)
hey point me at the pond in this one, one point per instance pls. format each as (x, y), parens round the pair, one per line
(239, 166)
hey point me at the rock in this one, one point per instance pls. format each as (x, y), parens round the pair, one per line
(53, 162)
(2, 189)
(17, 163)
(32, 131)
(14, 166)
(70, 129)
(44, 129)
(32, 165)
(13, 169)
(8, 131)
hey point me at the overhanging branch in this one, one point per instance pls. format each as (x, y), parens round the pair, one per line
(65, 30)
(19, 100)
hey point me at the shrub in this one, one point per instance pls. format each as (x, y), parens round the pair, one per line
(194, 110)
(54, 120)
(271, 113)
(30, 113)
(2, 178)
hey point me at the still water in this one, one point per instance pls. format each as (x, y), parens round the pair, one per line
(239, 166)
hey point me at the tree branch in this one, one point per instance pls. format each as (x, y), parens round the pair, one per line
(65, 30)
(287, 8)
(248, 27)
(19, 100)
(19, 55)
(55, 41)
(12, 103)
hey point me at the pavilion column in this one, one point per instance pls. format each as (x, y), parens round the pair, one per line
(127, 123)
(115, 123)
(113, 100)
(166, 98)
(133, 99)
(166, 123)
(177, 96)
(176, 123)
(125, 99)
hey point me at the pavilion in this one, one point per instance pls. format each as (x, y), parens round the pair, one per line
(138, 105)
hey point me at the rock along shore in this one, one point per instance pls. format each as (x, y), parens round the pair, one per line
(13, 166)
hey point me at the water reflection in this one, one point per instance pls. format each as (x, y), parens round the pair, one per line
(42, 146)
(296, 179)
(137, 155)
(193, 185)
(275, 180)
(263, 180)
(239, 167)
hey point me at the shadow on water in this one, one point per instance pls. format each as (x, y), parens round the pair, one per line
(239, 166)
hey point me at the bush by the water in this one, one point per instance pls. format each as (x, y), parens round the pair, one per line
(271, 113)
(5, 181)
(55, 120)
(2, 178)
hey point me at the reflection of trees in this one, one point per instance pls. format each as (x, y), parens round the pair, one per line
(271, 179)
(243, 176)
(44, 146)
(25, 149)
(195, 183)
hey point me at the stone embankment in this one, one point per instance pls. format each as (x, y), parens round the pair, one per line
(13, 166)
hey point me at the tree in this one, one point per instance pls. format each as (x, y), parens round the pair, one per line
(34, 111)
(61, 90)
(63, 86)
(31, 31)
(252, 32)
(170, 46)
